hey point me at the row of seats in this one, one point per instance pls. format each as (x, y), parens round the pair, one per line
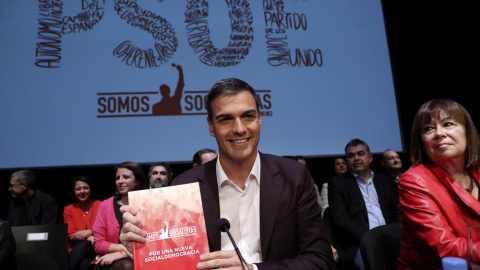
(41, 247)
(379, 247)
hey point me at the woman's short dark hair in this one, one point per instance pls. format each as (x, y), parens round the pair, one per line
(137, 172)
(85, 179)
(433, 109)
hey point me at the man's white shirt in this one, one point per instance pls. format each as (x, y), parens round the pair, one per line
(242, 209)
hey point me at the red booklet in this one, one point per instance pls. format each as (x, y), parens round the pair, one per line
(175, 225)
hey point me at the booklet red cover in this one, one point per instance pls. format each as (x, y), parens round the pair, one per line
(175, 225)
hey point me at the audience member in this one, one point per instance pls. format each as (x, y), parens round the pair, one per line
(129, 177)
(289, 233)
(392, 163)
(203, 156)
(30, 206)
(339, 167)
(302, 160)
(80, 217)
(439, 194)
(160, 175)
(359, 200)
(7, 247)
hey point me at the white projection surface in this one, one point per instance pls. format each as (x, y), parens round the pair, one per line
(80, 79)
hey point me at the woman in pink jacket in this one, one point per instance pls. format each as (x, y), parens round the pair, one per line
(129, 177)
(439, 193)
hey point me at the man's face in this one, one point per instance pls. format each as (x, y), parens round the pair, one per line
(391, 160)
(158, 177)
(16, 189)
(206, 157)
(358, 159)
(236, 126)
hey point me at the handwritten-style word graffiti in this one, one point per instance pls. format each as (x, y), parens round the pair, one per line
(159, 28)
(49, 45)
(277, 22)
(92, 13)
(53, 24)
(198, 33)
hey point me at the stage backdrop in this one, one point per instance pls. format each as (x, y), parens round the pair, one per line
(88, 82)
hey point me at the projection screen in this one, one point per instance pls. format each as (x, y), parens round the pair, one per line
(91, 82)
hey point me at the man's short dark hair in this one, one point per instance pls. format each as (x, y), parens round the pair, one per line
(197, 157)
(229, 87)
(355, 142)
(85, 179)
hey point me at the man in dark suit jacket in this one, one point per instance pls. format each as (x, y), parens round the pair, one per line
(29, 206)
(290, 233)
(358, 201)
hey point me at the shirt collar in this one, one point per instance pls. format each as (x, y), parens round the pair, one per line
(358, 177)
(254, 172)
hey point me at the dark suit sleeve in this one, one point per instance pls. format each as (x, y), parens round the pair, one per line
(341, 210)
(49, 210)
(387, 191)
(309, 240)
(6, 243)
(396, 202)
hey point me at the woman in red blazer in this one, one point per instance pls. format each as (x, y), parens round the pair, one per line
(439, 193)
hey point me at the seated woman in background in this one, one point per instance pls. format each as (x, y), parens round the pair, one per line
(80, 217)
(339, 167)
(129, 177)
(439, 193)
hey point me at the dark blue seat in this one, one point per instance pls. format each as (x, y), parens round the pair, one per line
(379, 247)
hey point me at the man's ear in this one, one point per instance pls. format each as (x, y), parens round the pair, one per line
(210, 127)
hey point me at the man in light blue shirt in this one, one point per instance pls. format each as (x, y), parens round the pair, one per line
(359, 200)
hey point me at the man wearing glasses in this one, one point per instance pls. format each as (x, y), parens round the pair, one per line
(30, 206)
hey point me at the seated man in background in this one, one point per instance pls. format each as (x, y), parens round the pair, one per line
(203, 156)
(302, 160)
(160, 175)
(392, 163)
(30, 206)
(359, 200)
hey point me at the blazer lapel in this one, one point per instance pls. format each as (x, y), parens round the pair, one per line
(357, 194)
(210, 201)
(456, 188)
(381, 193)
(270, 188)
